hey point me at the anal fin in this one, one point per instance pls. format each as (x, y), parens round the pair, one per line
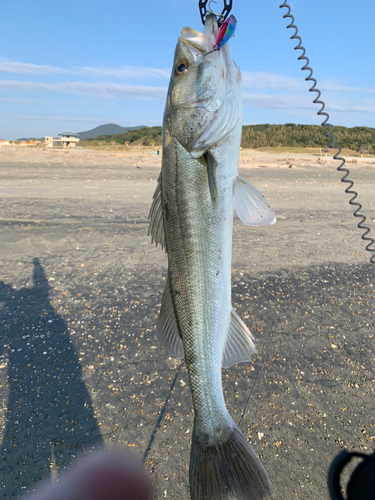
(167, 326)
(239, 346)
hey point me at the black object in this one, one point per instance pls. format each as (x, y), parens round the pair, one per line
(223, 15)
(361, 485)
(357, 212)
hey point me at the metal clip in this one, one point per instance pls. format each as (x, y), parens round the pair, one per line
(221, 17)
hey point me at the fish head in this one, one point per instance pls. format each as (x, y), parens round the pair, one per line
(204, 100)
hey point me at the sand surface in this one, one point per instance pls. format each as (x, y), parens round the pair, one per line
(80, 288)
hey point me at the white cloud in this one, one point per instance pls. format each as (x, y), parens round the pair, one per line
(279, 101)
(15, 100)
(299, 102)
(122, 72)
(127, 72)
(20, 68)
(274, 81)
(65, 118)
(343, 88)
(84, 119)
(262, 80)
(250, 79)
(104, 90)
(359, 106)
(141, 92)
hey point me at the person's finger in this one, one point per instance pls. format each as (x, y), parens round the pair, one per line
(111, 475)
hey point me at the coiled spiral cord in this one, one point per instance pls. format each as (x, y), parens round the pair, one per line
(321, 112)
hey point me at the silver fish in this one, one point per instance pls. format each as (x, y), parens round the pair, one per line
(192, 217)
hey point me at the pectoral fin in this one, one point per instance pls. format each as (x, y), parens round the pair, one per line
(167, 326)
(239, 346)
(212, 183)
(251, 206)
(156, 225)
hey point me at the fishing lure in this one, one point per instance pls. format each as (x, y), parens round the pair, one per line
(225, 34)
(226, 31)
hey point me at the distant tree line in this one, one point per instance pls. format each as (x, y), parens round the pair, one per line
(265, 135)
(148, 136)
(308, 136)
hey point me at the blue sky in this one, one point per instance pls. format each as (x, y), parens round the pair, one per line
(79, 64)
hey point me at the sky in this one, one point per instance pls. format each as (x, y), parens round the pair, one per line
(75, 65)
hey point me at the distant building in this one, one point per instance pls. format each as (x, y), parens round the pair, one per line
(4, 143)
(69, 139)
(49, 141)
(66, 140)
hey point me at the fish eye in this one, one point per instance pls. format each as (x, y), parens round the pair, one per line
(181, 68)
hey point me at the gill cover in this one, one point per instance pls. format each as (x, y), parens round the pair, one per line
(204, 101)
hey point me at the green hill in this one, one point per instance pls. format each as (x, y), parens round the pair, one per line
(109, 129)
(312, 136)
(258, 136)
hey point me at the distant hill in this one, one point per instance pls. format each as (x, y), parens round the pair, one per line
(29, 139)
(109, 129)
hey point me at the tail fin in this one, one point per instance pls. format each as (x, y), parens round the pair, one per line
(227, 469)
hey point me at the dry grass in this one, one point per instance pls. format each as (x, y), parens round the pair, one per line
(298, 150)
(119, 148)
(312, 151)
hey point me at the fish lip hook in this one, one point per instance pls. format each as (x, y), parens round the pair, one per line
(221, 18)
(215, 48)
(210, 11)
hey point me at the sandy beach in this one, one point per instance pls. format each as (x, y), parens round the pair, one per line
(80, 287)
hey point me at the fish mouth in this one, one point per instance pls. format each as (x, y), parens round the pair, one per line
(197, 42)
(200, 43)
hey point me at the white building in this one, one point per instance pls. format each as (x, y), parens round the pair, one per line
(66, 140)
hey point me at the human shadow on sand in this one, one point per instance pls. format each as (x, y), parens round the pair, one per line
(49, 415)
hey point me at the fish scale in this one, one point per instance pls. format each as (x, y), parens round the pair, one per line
(199, 277)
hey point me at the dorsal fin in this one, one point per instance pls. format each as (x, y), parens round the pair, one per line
(156, 225)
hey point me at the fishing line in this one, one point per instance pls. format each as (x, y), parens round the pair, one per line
(256, 380)
(340, 168)
(161, 416)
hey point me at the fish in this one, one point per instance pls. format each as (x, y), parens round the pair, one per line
(191, 216)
